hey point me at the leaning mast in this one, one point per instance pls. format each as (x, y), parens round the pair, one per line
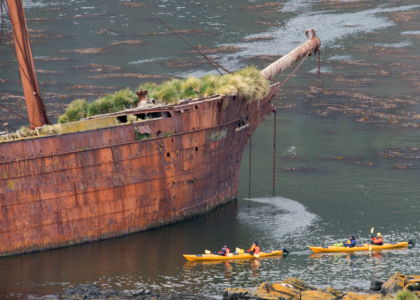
(36, 109)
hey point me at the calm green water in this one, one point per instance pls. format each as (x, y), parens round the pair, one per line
(335, 175)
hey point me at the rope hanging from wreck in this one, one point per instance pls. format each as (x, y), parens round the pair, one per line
(23, 118)
(27, 54)
(318, 74)
(210, 61)
(249, 176)
(274, 153)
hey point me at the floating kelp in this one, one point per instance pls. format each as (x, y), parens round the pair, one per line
(91, 87)
(84, 51)
(133, 75)
(272, 5)
(258, 38)
(87, 15)
(98, 68)
(185, 63)
(130, 42)
(54, 9)
(39, 71)
(131, 4)
(50, 58)
(271, 24)
(302, 169)
(210, 50)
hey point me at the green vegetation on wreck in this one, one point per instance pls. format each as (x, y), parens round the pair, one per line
(247, 83)
(405, 295)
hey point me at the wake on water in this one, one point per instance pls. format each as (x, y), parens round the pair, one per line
(275, 219)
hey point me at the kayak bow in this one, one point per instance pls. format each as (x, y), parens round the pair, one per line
(361, 247)
(230, 255)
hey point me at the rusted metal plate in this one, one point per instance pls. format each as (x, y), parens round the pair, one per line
(87, 186)
(143, 129)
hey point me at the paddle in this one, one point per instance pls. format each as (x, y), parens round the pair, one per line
(207, 251)
(371, 233)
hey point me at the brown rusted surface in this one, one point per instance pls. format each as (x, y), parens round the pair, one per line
(306, 49)
(86, 186)
(142, 94)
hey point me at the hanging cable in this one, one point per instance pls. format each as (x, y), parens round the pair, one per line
(274, 153)
(18, 115)
(249, 184)
(212, 62)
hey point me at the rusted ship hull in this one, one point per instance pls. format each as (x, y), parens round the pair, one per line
(87, 186)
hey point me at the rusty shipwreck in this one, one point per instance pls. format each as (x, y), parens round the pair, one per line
(98, 180)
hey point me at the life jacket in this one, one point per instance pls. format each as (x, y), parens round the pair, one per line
(224, 250)
(227, 251)
(351, 243)
(252, 249)
(378, 241)
(257, 250)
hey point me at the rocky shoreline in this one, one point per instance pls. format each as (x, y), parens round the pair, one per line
(289, 289)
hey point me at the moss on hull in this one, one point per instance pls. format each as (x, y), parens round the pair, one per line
(247, 83)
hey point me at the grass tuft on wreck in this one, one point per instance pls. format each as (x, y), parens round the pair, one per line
(247, 83)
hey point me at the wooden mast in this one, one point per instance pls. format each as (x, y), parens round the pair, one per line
(36, 109)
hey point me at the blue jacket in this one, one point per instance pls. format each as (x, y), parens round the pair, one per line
(351, 245)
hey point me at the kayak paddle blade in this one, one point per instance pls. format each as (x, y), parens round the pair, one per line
(207, 251)
(256, 255)
(371, 231)
(370, 248)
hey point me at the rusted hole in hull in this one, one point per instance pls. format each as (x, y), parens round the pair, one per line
(168, 155)
(196, 148)
(196, 107)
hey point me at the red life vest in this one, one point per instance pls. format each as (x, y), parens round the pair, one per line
(257, 250)
(227, 251)
(377, 241)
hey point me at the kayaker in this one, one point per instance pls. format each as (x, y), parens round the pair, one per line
(225, 250)
(254, 248)
(378, 240)
(351, 242)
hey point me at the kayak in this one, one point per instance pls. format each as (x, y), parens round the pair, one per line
(230, 255)
(361, 247)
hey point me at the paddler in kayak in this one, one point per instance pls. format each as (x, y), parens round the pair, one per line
(225, 250)
(378, 240)
(254, 248)
(351, 242)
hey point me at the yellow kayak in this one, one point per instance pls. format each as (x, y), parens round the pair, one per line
(230, 255)
(361, 247)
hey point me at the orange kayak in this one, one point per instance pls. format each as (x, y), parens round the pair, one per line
(230, 255)
(361, 247)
